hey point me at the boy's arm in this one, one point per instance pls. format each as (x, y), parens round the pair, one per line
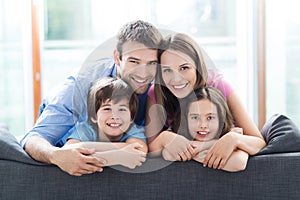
(107, 146)
(130, 154)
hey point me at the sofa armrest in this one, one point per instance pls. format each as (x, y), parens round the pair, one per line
(10, 148)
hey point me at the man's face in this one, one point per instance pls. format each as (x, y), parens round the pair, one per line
(138, 65)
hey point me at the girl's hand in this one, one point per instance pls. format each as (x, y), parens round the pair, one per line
(221, 151)
(199, 146)
(200, 156)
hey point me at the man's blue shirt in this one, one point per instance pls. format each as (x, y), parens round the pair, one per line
(67, 104)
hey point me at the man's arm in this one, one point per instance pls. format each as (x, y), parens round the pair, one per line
(72, 159)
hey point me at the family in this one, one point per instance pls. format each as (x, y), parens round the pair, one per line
(157, 97)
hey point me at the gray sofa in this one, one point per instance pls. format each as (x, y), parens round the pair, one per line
(267, 176)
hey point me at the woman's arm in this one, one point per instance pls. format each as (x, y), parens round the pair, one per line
(177, 147)
(253, 144)
(237, 161)
(154, 121)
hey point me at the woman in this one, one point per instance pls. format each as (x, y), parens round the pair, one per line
(183, 69)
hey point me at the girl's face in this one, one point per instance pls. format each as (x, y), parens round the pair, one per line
(178, 72)
(113, 120)
(203, 120)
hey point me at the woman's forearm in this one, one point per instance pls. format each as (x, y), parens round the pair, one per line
(236, 162)
(249, 144)
(157, 145)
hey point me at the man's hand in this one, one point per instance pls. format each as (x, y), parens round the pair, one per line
(76, 160)
(73, 159)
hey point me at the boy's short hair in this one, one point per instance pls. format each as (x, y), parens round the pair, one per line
(114, 89)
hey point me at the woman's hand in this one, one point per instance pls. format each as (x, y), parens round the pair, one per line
(178, 148)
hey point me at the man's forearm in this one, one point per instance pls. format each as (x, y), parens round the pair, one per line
(39, 149)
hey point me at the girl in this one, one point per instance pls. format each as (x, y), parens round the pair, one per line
(206, 116)
(183, 69)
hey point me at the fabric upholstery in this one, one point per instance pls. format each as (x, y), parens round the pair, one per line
(10, 148)
(281, 135)
(267, 177)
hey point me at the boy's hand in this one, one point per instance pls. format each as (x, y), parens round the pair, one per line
(131, 156)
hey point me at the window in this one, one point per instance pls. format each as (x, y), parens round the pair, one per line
(213, 23)
(283, 46)
(71, 29)
(15, 58)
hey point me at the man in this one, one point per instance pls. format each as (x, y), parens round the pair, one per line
(135, 61)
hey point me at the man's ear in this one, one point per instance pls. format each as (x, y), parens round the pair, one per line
(117, 57)
(94, 120)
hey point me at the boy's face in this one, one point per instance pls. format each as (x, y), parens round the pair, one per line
(138, 65)
(203, 120)
(113, 120)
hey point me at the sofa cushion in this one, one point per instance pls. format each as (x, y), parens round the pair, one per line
(10, 148)
(281, 135)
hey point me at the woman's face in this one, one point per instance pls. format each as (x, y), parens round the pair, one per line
(203, 120)
(178, 72)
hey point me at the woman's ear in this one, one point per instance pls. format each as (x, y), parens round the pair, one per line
(117, 57)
